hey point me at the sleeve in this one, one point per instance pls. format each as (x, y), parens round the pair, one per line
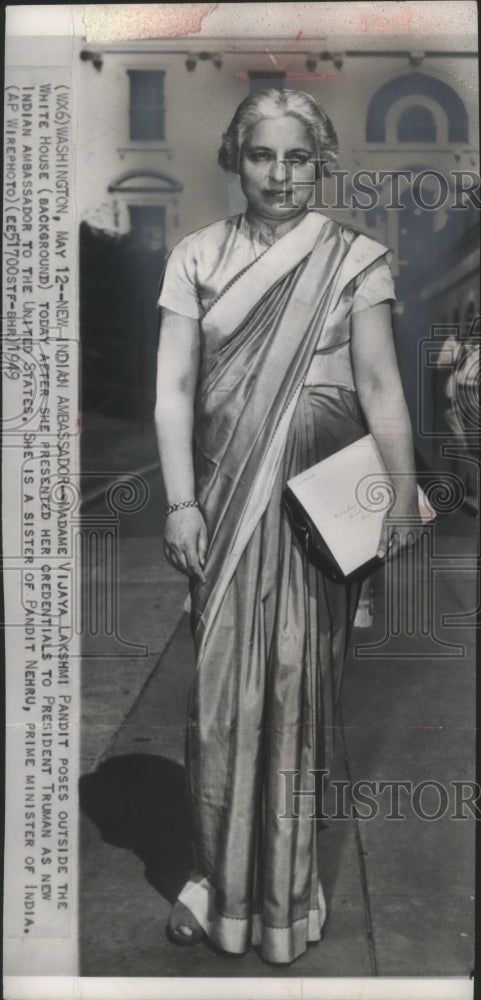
(178, 286)
(373, 285)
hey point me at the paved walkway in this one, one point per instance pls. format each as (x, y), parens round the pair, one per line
(400, 892)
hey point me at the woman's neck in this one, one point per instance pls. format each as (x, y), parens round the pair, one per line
(272, 231)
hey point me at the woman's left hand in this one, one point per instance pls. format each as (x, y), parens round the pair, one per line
(400, 529)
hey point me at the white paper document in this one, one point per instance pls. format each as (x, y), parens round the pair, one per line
(347, 496)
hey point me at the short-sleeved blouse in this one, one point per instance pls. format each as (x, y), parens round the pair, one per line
(202, 263)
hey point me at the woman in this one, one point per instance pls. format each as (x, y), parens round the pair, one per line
(276, 350)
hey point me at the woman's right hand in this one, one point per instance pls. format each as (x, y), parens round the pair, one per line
(185, 541)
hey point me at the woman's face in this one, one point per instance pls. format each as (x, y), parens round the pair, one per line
(276, 190)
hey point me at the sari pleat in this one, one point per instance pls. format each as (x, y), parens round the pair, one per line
(261, 717)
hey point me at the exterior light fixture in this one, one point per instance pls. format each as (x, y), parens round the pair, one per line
(94, 57)
(416, 58)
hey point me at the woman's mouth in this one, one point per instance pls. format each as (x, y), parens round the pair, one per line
(282, 194)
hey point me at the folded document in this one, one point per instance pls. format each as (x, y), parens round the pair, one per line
(340, 503)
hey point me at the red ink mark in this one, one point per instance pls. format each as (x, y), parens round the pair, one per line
(271, 57)
(383, 22)
(293, 47)
(295, 76)
(290, 53)
(314, 76)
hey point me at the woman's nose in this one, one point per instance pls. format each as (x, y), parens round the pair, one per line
(278, 171)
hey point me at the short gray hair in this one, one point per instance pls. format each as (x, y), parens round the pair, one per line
(273, 104)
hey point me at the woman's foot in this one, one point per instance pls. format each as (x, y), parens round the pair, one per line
(183, 928)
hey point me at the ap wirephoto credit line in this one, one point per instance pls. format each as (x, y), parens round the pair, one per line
(240, 368)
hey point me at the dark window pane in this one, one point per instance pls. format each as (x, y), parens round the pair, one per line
(147, 104)
(147, 224)
(266, 80)
(416, 124)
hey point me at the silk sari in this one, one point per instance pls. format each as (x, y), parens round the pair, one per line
(269, 630)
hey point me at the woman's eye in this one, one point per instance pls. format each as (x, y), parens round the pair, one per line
(299, 159)
(264, 156)
(257, 157)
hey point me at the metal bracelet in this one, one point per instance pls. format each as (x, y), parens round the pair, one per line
(180, 506)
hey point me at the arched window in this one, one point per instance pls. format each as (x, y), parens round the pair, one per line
(416, 85)
(145, 182)
(416, 124)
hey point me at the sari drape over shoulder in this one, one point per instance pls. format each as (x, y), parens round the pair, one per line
(275, 394)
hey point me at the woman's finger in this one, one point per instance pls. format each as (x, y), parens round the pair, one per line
(202, 545)
(184, 561)
(173, 557)
(384, 539)
(194, 566)
(169, 554)
(402, 539)
(393, 544)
